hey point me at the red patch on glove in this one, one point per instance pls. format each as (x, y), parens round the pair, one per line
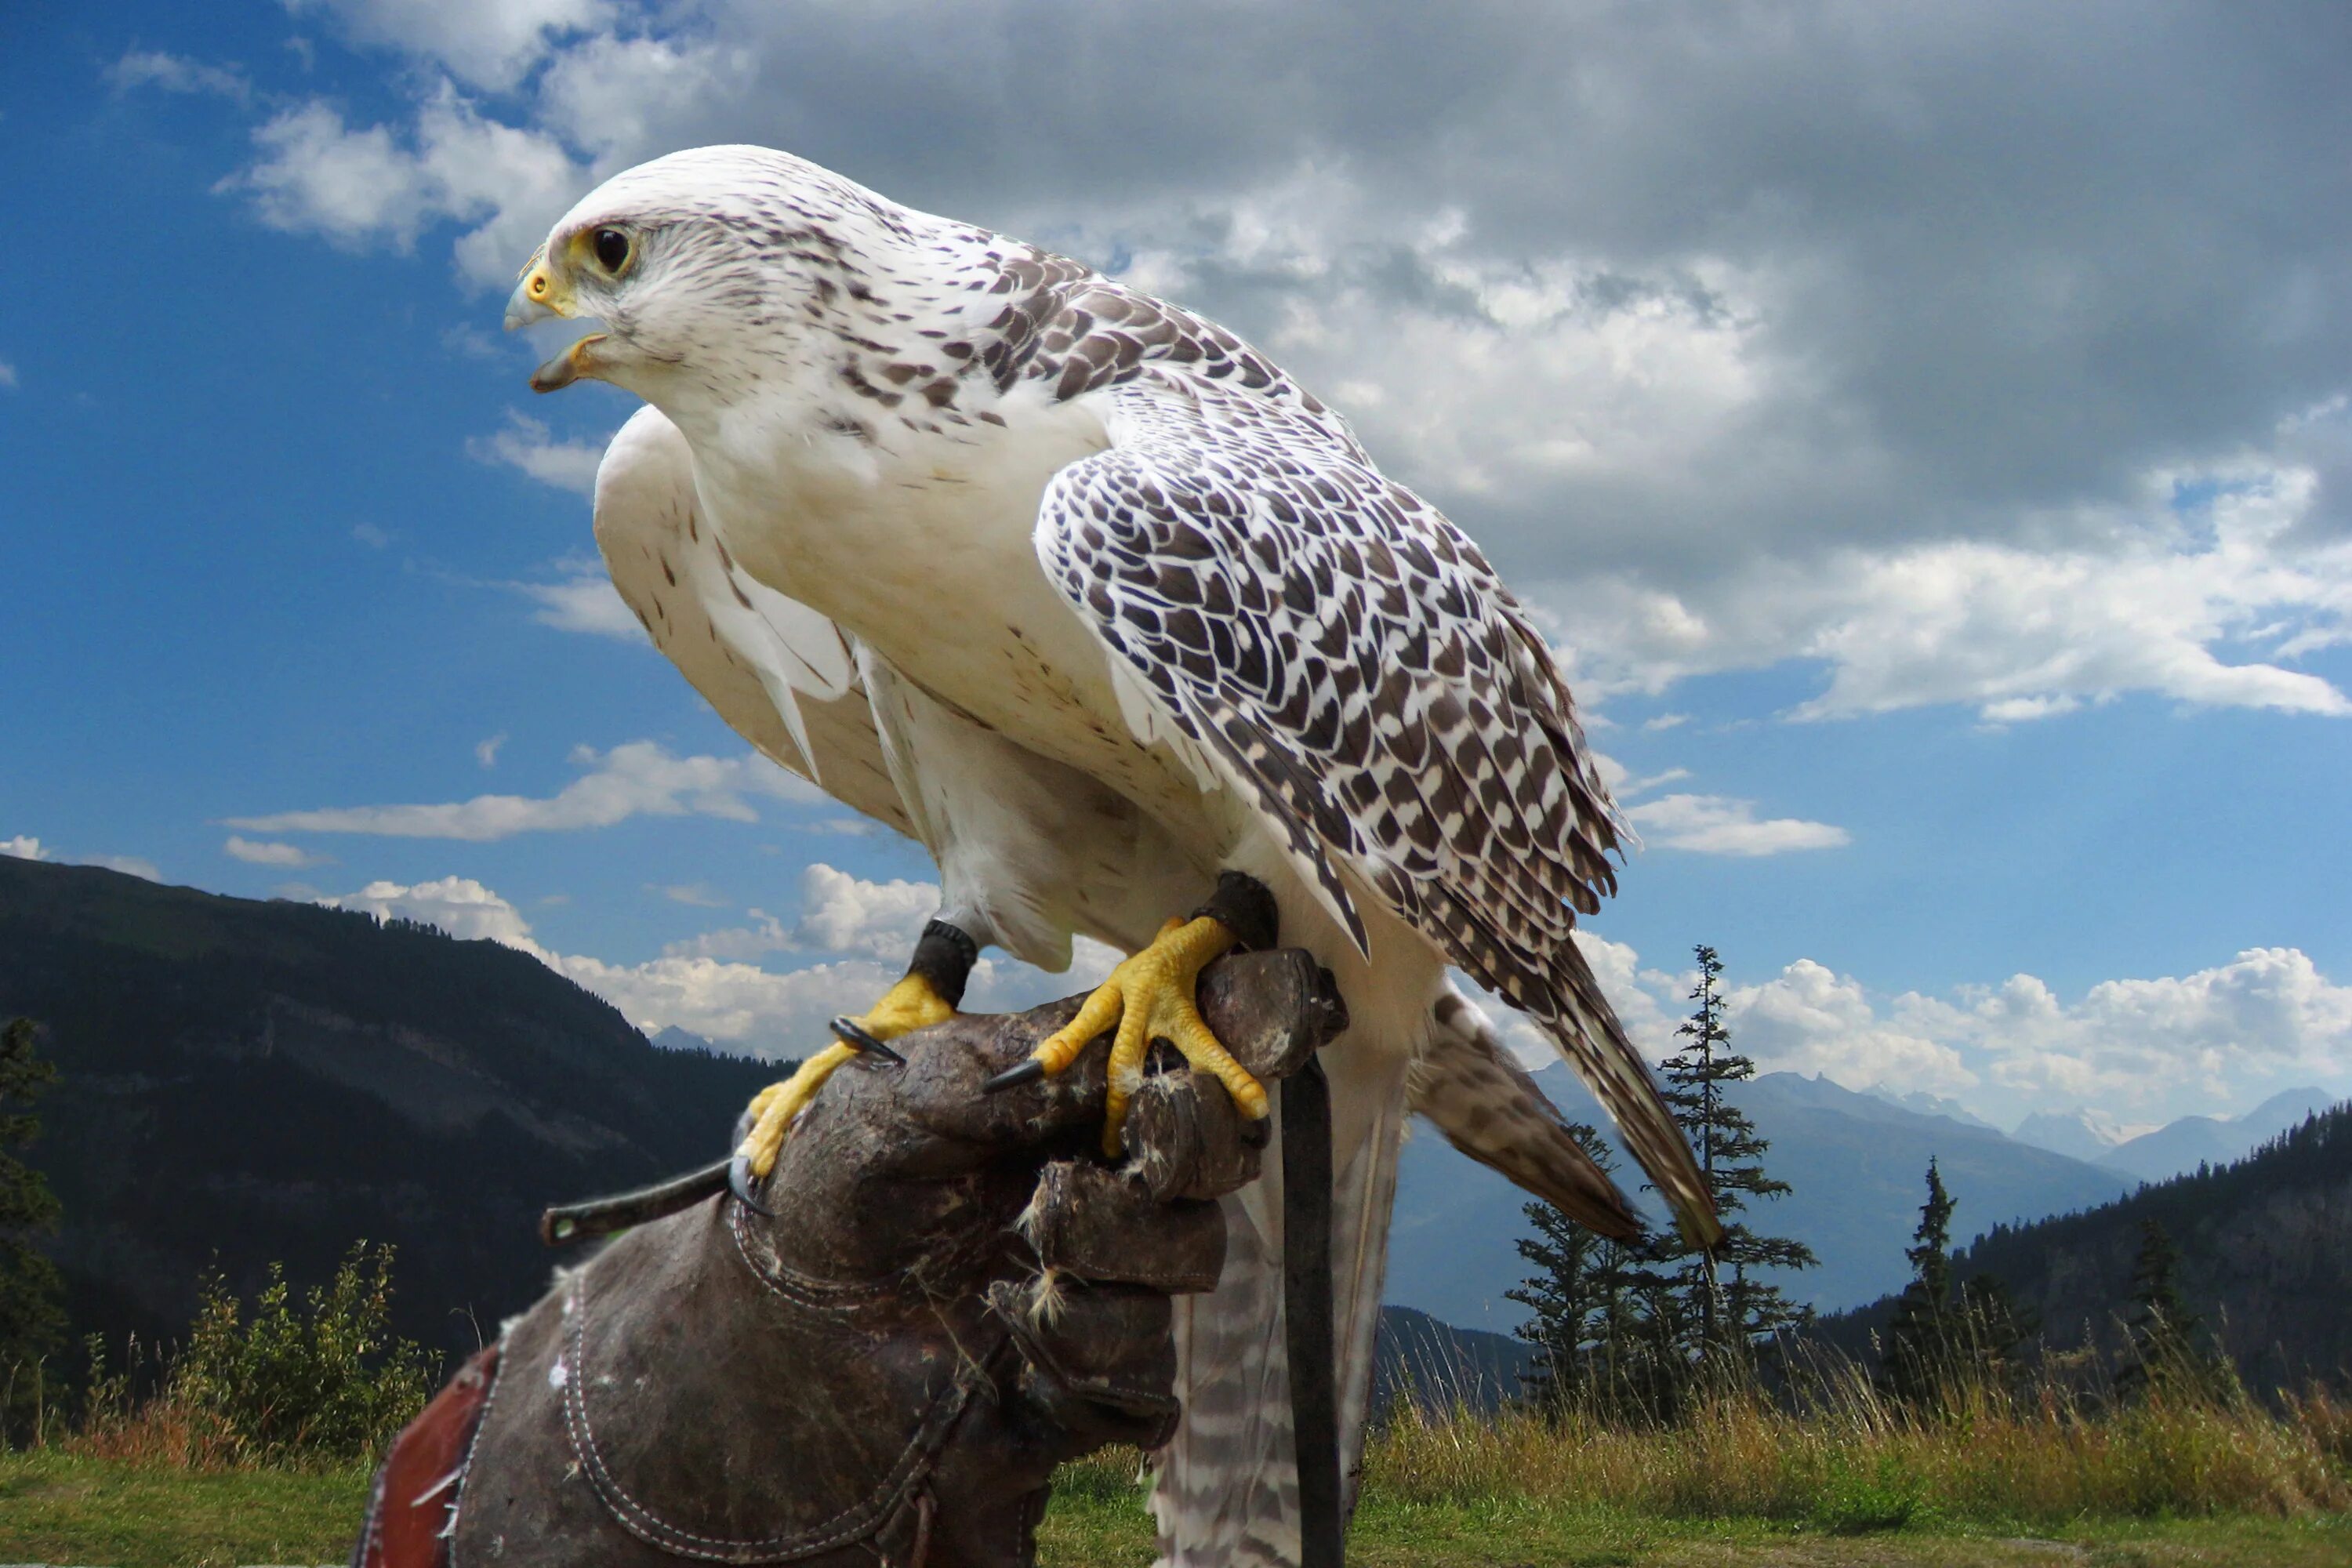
(416, 1498)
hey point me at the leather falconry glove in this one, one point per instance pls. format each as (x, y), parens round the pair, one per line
(954, 1293)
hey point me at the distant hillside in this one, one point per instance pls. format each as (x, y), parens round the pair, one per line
(1855, 1164)
(2266, 1256)
(262, 1081)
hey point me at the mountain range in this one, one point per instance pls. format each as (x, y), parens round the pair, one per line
(2176, 1148)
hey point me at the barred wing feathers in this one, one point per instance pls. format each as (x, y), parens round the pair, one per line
(1356, 665)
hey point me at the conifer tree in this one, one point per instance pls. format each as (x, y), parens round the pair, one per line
(32, 1319)
(1583, 1317)
(1921, 1337)
(2164, 1335)
(1729, 1307)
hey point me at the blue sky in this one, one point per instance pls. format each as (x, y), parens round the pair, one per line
(1930, 454)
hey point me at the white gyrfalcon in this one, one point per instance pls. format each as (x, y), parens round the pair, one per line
(1099, 604)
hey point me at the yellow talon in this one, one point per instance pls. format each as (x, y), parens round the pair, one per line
(909, 1005)
(1150, 997)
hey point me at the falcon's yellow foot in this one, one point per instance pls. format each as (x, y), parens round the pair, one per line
(912, 1004)
(1150, 997)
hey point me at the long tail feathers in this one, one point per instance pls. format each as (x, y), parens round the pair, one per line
(1489, 1108)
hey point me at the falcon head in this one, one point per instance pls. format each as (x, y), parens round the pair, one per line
(703, 269)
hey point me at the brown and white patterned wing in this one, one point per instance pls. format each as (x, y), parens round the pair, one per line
(1354, 663)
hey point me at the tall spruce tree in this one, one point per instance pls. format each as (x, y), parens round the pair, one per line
(1922, 1335)
(2164, 1337)
(1729, 1307)
(32, 1317)
(1583, 1314)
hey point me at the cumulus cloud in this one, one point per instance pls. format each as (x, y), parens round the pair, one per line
(2215, 1040)
(486, 752)
(485, 42)
(137, 866)
(1717, 824)
(528, 445)
(263, 852)
(641, 778)
(373, 184)
(23, 846)
(839, 914)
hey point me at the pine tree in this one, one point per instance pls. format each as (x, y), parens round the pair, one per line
(1921, 1338)
(2165, 1337)
(1729, 1307)
(32, 1319)
(1583, 1319)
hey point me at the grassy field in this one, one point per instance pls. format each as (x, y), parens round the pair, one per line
(56, 1508)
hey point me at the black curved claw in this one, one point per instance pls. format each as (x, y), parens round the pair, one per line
(741, 1182)
(1014, 1076)
(857, 1037)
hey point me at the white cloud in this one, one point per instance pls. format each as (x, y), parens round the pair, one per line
(700, 895)
(458, 905)
(485, 43)
(261, 852)
(368, 534)
(23, 848)
(372, 186)
(2208, 1042)
(2208, 608)
(840, 913)
(1665, 722)
(528, 445)
(487, 752)
(137, 866)
(638, 779)
(1717, 824)
(1811, 1020)
(177, 73)
(8, 375)
(582, 600)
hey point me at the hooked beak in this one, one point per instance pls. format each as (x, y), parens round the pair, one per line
(541, 295)
(538, 296)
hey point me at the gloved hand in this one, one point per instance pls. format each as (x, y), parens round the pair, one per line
(953, 1294)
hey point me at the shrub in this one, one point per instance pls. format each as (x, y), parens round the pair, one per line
(315, 1380)
(325, 1379)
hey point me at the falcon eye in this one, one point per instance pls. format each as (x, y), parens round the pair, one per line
(612, 248)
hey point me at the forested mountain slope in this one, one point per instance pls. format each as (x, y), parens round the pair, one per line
(2265, 1257)
(272, 1081)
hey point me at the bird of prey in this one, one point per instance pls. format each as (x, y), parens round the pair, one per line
(1098, 602)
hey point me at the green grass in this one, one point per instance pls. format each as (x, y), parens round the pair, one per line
(57, 1507)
